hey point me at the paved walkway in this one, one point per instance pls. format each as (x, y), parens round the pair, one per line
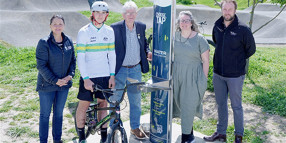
(176, 133)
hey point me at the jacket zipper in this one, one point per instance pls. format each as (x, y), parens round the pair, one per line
(222, 72)
(63, 54)
(62, 50)
(63, 62)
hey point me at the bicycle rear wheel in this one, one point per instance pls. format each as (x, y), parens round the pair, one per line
(117, 134)
(86, 128)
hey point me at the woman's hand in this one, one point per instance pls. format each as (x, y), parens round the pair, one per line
(205, 58)
(61, 82)
(64, 81)
(67, 78)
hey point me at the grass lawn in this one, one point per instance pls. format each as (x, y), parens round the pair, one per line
(112, 17)
(241, 4)
(265, 83)
(140, 3)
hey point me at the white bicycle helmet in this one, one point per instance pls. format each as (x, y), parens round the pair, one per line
(99, 6)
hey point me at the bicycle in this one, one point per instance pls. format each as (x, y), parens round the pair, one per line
(201, 24)
(116, 132)
(201, 29)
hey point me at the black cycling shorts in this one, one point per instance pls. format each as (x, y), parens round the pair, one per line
(87, 95)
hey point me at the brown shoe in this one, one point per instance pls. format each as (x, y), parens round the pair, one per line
(215, 136)
(138, 134)
(145, 128)
(238, 139)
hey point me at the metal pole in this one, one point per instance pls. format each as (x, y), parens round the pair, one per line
(173, 29)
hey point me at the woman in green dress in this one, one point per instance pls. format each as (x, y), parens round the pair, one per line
(190, 72)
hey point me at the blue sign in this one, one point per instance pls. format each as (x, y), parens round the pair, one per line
(160, 120)
(161, 42)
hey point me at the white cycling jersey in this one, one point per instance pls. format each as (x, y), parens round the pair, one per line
(96, 51)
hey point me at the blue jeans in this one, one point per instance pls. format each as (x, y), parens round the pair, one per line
(134, 95)
(58, 100)
(232, 86)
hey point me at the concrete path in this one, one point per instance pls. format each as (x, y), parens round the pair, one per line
(176, 133)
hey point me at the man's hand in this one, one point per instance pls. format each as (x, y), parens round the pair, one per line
(88, 84)
(149, 56)
(111, 82)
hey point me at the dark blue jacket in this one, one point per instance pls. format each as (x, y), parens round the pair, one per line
(120, 44)
(54, 63)
(234, 45)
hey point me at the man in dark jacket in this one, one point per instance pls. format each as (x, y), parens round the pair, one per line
(131, 51)
(234, 44)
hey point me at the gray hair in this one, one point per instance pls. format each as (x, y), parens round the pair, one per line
(194, 26)
(129, 5)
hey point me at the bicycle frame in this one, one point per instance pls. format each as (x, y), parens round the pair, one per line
(96, 125)
(92, 121)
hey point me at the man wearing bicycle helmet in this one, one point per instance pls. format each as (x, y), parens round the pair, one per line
(96, 61)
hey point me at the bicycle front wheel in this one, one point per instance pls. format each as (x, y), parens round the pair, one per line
(117, 134)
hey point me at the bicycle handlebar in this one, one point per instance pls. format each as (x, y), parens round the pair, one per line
(110, 91)
(203, 23)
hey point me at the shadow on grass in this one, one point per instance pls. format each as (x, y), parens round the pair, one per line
(271, 99)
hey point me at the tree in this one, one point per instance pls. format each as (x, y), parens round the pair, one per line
(255, 2)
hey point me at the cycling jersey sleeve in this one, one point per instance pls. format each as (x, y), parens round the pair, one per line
(81, 51)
